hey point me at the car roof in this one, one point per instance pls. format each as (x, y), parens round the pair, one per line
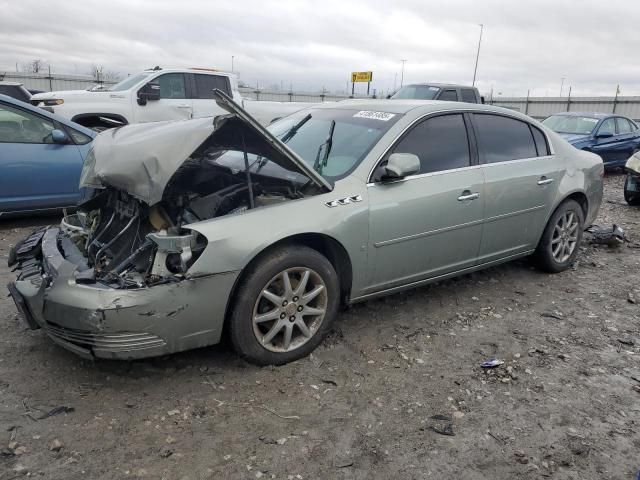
(587, 114)
(440, 85)
(403, 106)
(44, 113)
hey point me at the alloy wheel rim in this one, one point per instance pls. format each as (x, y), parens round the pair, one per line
(290, 309)
(565, 237)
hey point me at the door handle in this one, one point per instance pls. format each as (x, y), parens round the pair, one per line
(184, 105)
(467, 195)
(545, 181)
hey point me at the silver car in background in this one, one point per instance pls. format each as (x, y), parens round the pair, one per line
(201, 226)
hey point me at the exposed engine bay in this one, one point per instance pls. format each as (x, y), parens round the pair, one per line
(129, 244)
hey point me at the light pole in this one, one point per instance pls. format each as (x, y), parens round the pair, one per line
(561, 85)
(475, 70)
(402, 74)
(232, 57)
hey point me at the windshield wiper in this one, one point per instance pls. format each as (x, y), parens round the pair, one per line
(262, 161)
(318, 164)
(293, 130)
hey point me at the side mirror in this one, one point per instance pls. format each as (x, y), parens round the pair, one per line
(401, 165)
(604, 135)
(58, 136)
(150, 92)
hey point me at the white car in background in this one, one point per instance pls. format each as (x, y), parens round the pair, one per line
(156, 95)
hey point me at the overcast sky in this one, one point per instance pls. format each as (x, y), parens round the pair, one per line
(527, 44)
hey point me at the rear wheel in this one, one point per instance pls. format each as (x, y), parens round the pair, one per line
(561, 238)
(632, 190)
(285, 306)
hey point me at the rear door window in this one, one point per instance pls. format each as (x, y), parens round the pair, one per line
(623, 125)
(440, 142)
(206, 84)
(448, 96)
(172, 85)
(501, 139)
(540, 141)
(468, 95)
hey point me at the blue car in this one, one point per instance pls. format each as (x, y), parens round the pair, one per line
(41, 156)
(613, 137)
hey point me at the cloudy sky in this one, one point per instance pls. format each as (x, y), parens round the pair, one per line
(527, 44)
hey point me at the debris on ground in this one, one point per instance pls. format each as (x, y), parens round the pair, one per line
(492, 363)
(56, 445)
(613, 236)
(56, 411)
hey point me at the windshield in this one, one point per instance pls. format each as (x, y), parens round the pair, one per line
(332, 141)
(341, 145)
(128, 82)
(417, 92)
(571, 124)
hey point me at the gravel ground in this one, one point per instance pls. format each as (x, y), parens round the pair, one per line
(396, 390)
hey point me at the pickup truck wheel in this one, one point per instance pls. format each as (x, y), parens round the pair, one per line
(561, 238)
(285, 306)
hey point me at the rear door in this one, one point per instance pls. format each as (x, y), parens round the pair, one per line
(173, 104)
(35, 173)
(428, 224)
(627, 139)
(521, 177)
(203, 86)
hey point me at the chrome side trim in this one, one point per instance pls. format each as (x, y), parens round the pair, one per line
(513, 214)
(384, 243)
(424, 175)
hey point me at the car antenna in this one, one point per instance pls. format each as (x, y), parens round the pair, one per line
(247, 172)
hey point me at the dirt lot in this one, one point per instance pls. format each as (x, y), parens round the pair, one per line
(565, 405)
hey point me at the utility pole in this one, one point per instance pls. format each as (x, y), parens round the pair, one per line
(232, 57)
(561, 85)
(475, 70)
(402, 74)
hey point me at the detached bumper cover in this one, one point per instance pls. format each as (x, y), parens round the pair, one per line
(98, 321)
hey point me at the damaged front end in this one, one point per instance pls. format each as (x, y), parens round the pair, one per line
(119, 279)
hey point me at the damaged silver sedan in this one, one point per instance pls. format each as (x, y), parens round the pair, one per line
(200, 226)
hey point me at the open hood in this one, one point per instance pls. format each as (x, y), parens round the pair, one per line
(141, 159)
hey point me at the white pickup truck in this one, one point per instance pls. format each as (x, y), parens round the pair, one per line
(155, 95)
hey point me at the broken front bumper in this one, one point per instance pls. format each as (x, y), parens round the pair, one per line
(98, 321)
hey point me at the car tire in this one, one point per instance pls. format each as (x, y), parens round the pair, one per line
(265, 310)
(632, 198)
(560, 241)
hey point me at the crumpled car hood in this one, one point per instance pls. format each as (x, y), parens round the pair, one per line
(141, 158)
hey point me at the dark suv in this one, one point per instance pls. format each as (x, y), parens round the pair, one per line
(438, 91)
(15, 90)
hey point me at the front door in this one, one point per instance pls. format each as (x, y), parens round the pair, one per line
(35, 173)
(428, 224)
(521, 178)
(173, 103)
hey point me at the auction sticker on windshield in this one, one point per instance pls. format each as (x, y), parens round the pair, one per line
(383, 116)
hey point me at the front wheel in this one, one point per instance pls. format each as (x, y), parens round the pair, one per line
(561, 238)
(285, 306)
(632, 190)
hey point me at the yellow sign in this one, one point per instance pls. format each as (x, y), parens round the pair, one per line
(361, 76)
